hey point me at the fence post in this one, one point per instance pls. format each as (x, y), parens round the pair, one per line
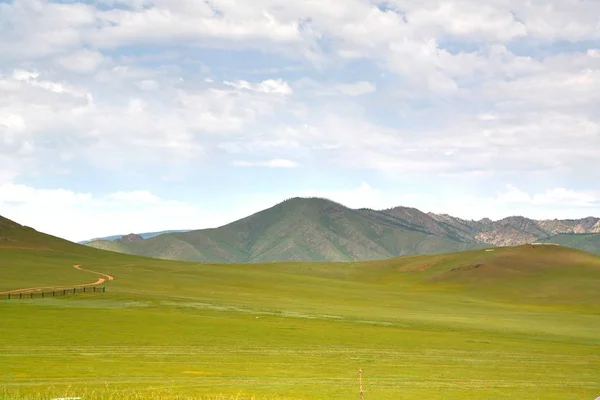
(31, 295)
(360, 382)
(9, 296)
(20, 295)
(53, 293)
(104, 289)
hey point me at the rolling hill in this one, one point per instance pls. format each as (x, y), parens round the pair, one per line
(16, 236)
(454, 325)
(314, 229)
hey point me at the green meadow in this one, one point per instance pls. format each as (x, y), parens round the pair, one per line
(513, 323)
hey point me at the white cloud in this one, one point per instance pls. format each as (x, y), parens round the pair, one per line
(22, 75)
(274, 163)
(148, 85)
(552, 197)
(12, 122)
(134, 197)
(33, 29)
(21, 194)
(351, 89)
(448, 94)
(357, 88)
(129, 130)
(79, 216)
(275, 86)
(83, 62)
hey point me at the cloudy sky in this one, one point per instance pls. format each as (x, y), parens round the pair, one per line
(121, 116)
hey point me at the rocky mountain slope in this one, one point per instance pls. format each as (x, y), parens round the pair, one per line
(512, 231)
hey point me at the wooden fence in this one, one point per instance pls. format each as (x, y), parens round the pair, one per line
(52, 293)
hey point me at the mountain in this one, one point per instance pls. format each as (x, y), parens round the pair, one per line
(132, 237)
(302, 229)
(315, 229)
(517, 230)
(145, 235)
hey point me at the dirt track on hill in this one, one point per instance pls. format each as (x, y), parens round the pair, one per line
(35, 289)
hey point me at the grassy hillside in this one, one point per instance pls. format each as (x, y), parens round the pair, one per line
(585, 242)
(299, 230)
(510, 323)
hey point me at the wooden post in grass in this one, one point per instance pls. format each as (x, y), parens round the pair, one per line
(360, 383)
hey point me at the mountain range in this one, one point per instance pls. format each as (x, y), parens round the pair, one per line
(316, 229)
(145, 235)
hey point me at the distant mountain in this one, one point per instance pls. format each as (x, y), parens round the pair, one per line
(302, 229)
(314, 229)
(132, 237)
(517, 230)
(145, 235)
(589, 242)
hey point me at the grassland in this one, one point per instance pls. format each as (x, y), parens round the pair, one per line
(512, 323)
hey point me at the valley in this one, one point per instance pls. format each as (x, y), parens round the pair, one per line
(514, 322)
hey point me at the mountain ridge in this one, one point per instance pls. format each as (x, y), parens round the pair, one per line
(144, 235)
(318, 229)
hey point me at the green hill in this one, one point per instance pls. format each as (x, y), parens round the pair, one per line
(589, 242)
(301, 230)
(505, 323)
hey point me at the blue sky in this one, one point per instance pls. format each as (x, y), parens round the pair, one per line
(122, 116)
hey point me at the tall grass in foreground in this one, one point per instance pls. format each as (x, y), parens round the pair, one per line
(50, 393)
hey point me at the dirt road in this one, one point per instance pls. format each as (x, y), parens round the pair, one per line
(37, 289)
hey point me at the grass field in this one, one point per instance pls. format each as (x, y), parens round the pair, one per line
(513, 323)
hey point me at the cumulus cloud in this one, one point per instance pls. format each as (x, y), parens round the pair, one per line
(79, 216)
(504, 89)
(554, 197)
(84, 61)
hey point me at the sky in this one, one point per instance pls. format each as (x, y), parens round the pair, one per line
(121, 116)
